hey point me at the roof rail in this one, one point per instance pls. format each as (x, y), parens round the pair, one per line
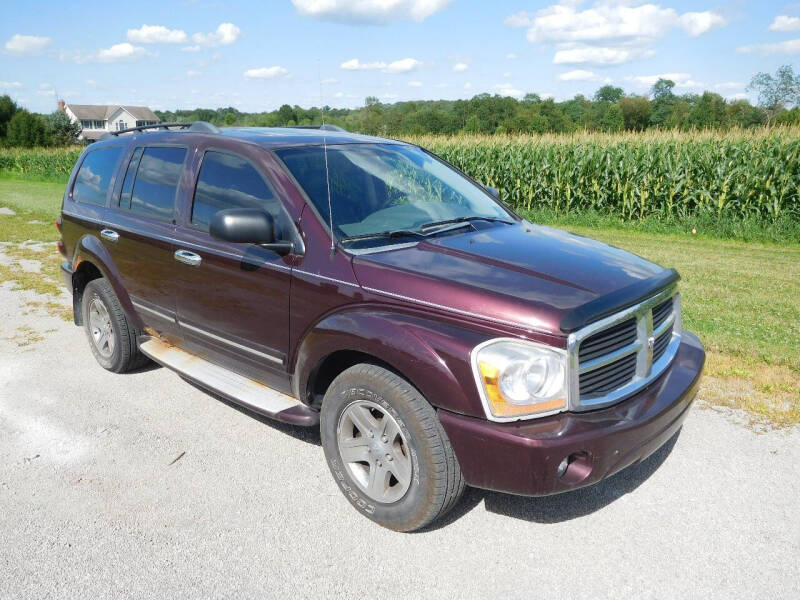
(326, 127)
(197, 126)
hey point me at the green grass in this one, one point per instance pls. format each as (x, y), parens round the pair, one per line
(741, 298)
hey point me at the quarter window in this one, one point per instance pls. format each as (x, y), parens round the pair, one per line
(95, 174)
(155, 182)
(229, 181)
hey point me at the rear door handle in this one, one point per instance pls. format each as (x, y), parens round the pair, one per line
(110, 235)
(188, 258)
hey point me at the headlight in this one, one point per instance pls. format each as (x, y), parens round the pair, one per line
(518, 378)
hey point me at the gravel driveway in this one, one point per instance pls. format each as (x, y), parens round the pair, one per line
(143, 486)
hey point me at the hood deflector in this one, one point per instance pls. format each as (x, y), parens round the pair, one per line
(621, 299)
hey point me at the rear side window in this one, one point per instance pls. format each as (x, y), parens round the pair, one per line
(94, 176)
(229, 181)
(130, 176)
(155, 182)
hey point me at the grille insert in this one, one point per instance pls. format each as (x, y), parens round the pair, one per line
(661, 313)
(661, 343)
(608, 377)
(608, 341)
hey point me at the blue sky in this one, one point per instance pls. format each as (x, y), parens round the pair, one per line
(258, 55)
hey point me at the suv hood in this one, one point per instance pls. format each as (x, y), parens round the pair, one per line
(522, 274)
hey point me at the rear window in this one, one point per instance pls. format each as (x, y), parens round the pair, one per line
(94, 176)
(156, 182)
(230, 181)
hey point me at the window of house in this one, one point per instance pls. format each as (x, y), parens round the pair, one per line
(86, 124)
(229, 181)
(98, 125)
(94, 176)
(156, 182)
(121, 125)
(144, 123)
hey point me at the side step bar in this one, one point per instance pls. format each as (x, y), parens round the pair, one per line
(230, 385)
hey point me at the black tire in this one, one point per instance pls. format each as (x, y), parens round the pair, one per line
(125, 355)
(436, 481)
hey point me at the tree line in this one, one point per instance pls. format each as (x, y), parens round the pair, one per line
(610, 109)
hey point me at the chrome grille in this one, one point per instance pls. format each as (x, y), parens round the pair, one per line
(615, 357)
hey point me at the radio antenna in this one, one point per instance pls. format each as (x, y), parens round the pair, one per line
(325, 152)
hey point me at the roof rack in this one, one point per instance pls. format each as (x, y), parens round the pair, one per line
(196, 126)
(326, 127)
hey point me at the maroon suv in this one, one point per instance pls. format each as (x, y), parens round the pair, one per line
(366, 287)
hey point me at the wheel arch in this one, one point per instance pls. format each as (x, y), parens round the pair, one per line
(431, 355)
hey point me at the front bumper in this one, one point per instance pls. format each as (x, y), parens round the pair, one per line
(524, 457)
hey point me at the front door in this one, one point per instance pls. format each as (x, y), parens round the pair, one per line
(233, 299)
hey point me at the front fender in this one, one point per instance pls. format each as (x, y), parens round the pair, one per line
(91, 249)
(432, 354)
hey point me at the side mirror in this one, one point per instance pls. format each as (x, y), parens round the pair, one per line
(247, 226)
(493, 191)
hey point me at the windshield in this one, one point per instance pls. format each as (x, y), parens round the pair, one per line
(382, 189)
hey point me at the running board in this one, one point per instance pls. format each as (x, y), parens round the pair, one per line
(230, 385)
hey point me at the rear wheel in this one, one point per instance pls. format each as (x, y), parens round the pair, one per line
(112, 337)
(387, 450)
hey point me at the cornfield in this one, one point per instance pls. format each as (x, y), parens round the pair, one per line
(739, 174)
(658, 174)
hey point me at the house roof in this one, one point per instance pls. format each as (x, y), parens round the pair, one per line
(101, 112)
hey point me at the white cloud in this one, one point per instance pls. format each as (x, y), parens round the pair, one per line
(459, 67)
(578, 75)
(468, 85)
(698, 23)
(357, 65)
(728, 85)
(785, 23)
(117, 52)
(681, 80)
(505, 89)
(405, 65)
(46, 93)
(226, 34)
(600, 55)
(192, 73)
(787, 47)
(10, 84)
(266, 73)
(156, 34)
(195, 48)
(739, 96)
(610, 31)
(330, 81)
(27, 45)
(511, 56)
(415, 84)
(369, 11)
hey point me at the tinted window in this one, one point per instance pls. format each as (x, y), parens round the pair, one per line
(228, 181)
(130, 175)
(156, 182)
(94, 176)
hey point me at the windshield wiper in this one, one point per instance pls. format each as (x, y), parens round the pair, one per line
(394, 233)
(464, 220)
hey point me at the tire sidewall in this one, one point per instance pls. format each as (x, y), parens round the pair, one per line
(92, 292)
(411, 508)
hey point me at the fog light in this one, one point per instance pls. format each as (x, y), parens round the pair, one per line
(575, 468)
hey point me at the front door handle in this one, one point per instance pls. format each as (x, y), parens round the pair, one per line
(110, 235)
(188, 258)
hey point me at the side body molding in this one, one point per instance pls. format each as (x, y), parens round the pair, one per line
(91, 249)
(431, 353)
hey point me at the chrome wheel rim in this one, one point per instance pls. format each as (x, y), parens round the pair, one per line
(100, 328)
(374, 451)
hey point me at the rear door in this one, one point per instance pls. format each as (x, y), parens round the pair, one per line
(140, 229)
(233, 299)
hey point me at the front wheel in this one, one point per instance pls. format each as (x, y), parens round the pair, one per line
(387, 450)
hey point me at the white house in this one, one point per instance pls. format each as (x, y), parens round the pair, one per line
(97, 119)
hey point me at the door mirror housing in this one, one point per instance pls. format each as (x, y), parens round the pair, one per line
(493, 191)
(247, 226)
